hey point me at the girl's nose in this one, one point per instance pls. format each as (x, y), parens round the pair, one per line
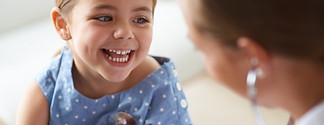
(124, 33)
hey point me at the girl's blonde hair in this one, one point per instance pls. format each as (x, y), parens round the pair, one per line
(291, 29)
(66, 4)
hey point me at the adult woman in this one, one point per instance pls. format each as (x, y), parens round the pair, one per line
(274, 46)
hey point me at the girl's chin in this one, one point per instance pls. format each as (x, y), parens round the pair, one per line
(117, 78)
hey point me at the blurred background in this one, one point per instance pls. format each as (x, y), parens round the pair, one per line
(28, 42)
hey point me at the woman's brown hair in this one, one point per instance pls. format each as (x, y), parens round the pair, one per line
(287, 28)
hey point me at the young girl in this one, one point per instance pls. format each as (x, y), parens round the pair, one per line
(270, 51)
(103, 75)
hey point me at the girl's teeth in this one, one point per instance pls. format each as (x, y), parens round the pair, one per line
(123, 59)
(118, 60)
(120, 52)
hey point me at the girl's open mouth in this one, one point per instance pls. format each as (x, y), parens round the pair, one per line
(118, 56)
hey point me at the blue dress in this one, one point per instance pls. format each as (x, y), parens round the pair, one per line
(157, 100)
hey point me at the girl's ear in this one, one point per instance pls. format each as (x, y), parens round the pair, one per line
(60, 24)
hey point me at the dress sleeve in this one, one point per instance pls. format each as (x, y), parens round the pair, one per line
(46, 79)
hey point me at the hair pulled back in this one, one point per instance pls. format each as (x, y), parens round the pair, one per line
(66, 4)
(287, 28)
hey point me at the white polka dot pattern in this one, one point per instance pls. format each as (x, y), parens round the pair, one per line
(157, 100)
(183, 103)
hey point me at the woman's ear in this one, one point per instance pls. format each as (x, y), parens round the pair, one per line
(255, 52)
(60, 24)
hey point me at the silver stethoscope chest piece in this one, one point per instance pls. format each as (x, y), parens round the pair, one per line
(122, 118)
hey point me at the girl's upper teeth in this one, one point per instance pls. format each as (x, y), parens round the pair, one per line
(120, 52)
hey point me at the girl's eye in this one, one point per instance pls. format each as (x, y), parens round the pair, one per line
(104, 18)
(141, 20)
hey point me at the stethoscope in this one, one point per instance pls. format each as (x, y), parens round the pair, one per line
(251, 90)
(122, 118)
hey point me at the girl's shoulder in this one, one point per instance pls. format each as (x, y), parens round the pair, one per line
(33, 108)
(143, 70)
(58, 69)
(151, 65)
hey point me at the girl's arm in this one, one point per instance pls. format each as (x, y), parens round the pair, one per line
(34, 108)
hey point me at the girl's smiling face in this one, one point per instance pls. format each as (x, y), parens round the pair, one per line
(110, 37)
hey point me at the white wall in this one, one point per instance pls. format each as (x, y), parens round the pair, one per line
(15, 13)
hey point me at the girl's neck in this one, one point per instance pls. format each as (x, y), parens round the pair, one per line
(96, 87)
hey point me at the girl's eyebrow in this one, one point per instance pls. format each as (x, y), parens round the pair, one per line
(109, 7)
(143, 9)
(104, 6)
